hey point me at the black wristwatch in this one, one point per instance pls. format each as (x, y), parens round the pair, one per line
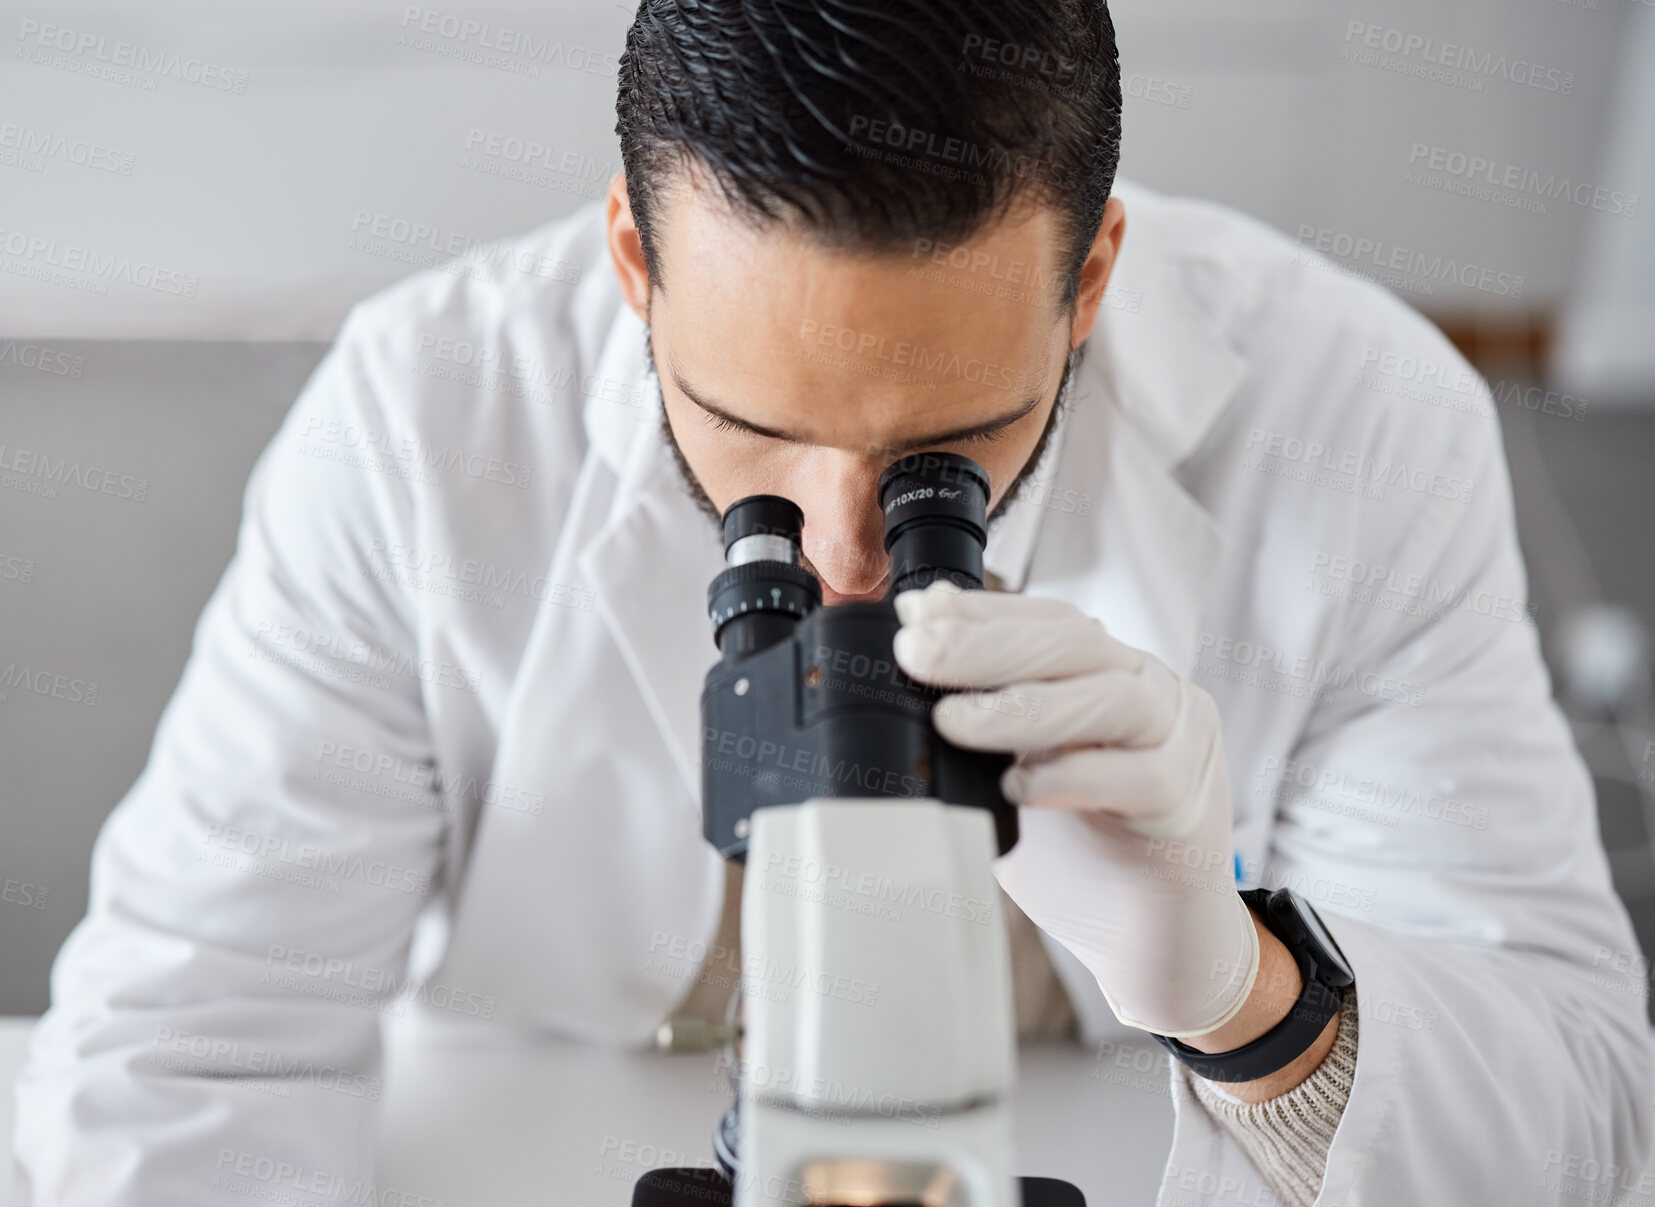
(1326, 976)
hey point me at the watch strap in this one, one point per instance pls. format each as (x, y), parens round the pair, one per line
(1290, 1038)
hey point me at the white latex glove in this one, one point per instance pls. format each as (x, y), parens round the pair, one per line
(1126, 853)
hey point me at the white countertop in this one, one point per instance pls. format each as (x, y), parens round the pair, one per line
(550, 1121)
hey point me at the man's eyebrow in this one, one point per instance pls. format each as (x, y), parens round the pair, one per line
(984, 428)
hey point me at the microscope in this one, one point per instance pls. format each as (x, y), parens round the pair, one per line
(875, 1051)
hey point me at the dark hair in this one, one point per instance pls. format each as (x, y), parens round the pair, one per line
(873, 124)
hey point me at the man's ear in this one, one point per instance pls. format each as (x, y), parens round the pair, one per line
(626, 250)
(1095, 273)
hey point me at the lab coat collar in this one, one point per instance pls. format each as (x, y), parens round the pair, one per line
(649, 567)
(620, 398)
(1157, 348)
(1158, 372)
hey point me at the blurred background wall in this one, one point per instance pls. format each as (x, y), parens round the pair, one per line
(230, 182)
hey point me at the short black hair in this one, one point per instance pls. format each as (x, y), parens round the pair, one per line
(874, 124)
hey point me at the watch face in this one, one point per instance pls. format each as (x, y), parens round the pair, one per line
(1329, 959)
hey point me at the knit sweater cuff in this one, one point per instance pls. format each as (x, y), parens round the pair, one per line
(1287, 1137)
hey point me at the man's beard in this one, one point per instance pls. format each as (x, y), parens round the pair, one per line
(707, 507)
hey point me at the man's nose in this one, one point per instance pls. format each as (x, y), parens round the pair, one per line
(844, 530)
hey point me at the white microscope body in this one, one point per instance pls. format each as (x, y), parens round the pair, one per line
(879, 1052)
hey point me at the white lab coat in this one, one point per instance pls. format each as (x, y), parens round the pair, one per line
(499, 575)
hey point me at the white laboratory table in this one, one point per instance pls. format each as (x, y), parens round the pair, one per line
(497, 1124)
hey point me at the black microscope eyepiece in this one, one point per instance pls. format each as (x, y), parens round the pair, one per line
(764, 591)
(936, 520)
(765, 527)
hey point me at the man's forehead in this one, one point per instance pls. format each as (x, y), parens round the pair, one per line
(1017, 255)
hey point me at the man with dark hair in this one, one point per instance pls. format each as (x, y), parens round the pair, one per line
(1269, 627)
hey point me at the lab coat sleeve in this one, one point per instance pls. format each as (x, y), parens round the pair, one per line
(214, 1024)
(1438, 816)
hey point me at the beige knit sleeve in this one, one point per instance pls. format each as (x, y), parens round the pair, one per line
(1287, 1137)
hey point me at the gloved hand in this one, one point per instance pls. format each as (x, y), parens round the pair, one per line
(1125, 855)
